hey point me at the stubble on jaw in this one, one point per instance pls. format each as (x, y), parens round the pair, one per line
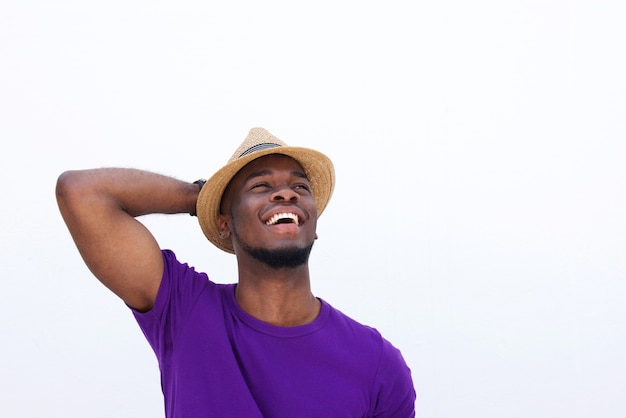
(290, 257)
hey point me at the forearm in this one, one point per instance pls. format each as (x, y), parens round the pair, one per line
(134, 191)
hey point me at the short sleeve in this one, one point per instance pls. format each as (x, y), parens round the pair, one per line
(179, 289)
(395, 393)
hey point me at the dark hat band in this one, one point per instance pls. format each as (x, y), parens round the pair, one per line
(258, 147)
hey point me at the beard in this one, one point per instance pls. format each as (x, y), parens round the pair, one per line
(290, 257)
(280, 258)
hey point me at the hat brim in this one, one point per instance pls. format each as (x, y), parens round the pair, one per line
(317, 166)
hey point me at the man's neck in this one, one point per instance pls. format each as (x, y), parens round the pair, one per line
(280, 297)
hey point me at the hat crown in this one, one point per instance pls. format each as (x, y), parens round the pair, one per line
(258, 139)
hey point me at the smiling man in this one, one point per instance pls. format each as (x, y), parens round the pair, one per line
(264, 346)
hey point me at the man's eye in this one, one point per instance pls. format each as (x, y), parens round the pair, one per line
(303, 187)
(259, 185)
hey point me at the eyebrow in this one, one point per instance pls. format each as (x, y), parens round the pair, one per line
(261, 173)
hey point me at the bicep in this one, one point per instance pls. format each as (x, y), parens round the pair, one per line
(118, 249)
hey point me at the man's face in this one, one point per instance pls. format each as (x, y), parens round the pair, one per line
(268, 211)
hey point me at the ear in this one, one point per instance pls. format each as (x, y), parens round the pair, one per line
(223, 226)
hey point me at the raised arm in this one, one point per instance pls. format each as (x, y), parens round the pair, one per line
(99, 207)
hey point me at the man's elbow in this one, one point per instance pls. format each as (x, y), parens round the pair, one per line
(69, 188)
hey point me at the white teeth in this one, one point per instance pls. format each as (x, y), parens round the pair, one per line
(274, 219)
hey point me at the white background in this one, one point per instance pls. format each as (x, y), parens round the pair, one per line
(478, 220)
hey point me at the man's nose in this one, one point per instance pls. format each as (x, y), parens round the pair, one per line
(284, 193)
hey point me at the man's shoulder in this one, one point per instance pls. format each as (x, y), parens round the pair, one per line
(174, 268)
(353, 327)
(183, 284)
(361, 333)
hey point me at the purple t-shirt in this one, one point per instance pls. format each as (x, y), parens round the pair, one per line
(218, 361)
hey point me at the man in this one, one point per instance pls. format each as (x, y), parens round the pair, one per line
(265, 346)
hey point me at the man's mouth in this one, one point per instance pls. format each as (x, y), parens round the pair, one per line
(283, 218)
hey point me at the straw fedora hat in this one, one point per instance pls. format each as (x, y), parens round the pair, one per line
(259, 142)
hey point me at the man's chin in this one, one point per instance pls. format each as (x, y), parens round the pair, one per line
(288, 257)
